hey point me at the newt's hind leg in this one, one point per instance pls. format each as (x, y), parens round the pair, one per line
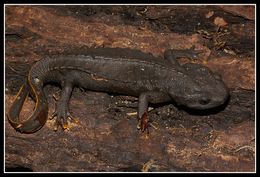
(61, 111)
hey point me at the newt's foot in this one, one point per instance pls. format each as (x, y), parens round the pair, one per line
(143, 123)
(62, 115)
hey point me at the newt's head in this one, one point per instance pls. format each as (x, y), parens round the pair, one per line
(200, 88)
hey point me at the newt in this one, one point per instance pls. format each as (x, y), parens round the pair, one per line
(122, 71)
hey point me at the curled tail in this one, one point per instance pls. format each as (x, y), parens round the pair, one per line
(39, 116)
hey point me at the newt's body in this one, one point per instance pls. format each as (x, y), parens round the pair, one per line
(123, 71)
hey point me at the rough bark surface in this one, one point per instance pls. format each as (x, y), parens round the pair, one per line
(106, 138)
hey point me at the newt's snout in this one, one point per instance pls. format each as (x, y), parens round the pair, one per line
(212, 95)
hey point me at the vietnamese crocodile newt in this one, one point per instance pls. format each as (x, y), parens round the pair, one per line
(123, 71)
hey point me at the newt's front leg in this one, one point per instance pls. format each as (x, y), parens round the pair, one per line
(144, 99)
(62, 107)
(143, 119)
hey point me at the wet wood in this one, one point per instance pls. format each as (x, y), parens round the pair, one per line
(106, 137)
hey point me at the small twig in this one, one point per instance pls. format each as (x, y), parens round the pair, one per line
(245, 147)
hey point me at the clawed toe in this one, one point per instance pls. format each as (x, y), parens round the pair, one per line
(54, 114)
(76, 120)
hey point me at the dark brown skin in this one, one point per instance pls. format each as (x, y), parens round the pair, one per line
(143, 123)
(122, 71)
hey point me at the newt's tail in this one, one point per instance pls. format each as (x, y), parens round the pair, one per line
(39, 116)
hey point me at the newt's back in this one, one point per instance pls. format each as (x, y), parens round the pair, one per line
(123, 65)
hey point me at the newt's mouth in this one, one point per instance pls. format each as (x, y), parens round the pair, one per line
(207, 103)
(203, 106)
